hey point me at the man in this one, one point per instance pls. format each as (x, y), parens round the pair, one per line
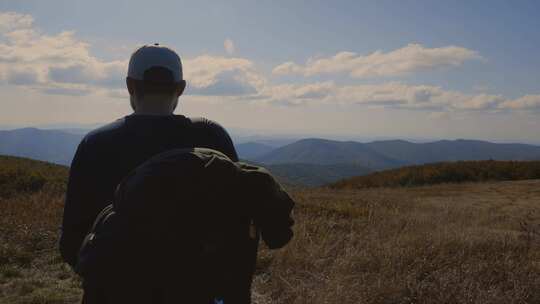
(106, 155)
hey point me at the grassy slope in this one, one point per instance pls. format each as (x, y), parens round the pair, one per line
(31, 200)
(459, 243)
(448, 172)
(26, 176)
(456, 243)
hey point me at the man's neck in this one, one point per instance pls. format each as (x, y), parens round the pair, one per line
(156, 105)
(151, 113)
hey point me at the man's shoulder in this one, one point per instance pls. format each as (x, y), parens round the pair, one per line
(105, 131)
(213, 135)
(205, 131)
(199, 123)
(203, 122)
(209, 125)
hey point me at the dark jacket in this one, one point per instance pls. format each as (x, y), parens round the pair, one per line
(107, 155)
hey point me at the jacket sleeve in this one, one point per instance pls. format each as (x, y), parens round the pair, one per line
(271, 206)
(276, 223)
(78, 216)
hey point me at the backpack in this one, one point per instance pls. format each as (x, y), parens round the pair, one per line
(184, 226)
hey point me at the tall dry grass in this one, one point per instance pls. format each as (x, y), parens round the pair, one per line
(472, 243)
(31, 270)
(467, 243)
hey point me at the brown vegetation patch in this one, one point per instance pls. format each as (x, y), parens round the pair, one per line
(467, 243)
(446, 172)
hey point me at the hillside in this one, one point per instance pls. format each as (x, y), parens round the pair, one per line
(452, 243)
(31, 205)
(315, 175)
(25, 176)
(252, 150)
(448, 172)
(380, 155)
(327, 152)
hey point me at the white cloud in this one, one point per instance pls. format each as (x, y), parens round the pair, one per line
(298, 94)
(10, 21)
(53, 63)
(289, 67)
(62, 63)
(527, 102)
(214, 75)
(439, 115)
(409, 59)
(479, 102)
(394, 95)
(228, 44)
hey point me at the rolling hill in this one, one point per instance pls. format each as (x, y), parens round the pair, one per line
(21, 175)
(252, 150)
(380, 155)
(328, 152)
(447, 172)
(314, 175)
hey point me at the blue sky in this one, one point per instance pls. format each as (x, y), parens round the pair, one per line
(357, 69)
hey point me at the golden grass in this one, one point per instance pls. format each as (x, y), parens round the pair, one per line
(466, 243)
(31, 270)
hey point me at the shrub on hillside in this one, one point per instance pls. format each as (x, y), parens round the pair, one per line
(24, 176)
(448, 172)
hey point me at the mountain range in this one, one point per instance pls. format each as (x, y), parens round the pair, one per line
(311, 161)
(252, 150)
(53, 146)
(379, 155)
(329, 152)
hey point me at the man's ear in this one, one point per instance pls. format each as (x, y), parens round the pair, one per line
(174, 105)
(132, 103)
(130, 83)
(180, 87)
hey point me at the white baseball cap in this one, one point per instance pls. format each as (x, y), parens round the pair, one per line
(155, 56)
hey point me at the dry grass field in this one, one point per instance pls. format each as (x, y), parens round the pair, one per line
(455, 243)
(452, 243)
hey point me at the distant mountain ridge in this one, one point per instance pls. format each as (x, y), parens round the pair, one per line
(311, 161)
(381, 155)
(315, 175)
(453, 150)
(329, 152)
(47, 145)
(252, 150)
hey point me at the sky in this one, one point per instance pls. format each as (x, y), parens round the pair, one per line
(342, 69)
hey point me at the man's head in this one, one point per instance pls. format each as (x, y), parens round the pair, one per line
(155, 80)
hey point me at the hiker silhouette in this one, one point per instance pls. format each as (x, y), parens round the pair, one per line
(159, 209)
